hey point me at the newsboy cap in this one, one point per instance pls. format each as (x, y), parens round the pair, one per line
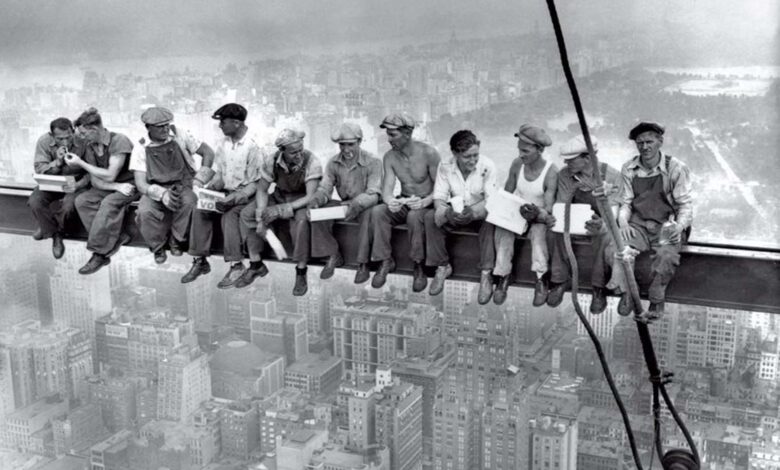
(289, 136)
(230, 111)
(533, 135)
(156, 116)
(576, 146)
(347, 132)
(645, 127)
(397, 120)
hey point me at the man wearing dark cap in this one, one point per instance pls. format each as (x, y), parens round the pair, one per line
(236, 171)
(53, 209)
(656, 210)
(357, 176)
(575, 182)
(164, 174)
(102, 208)
(414, 164)
(297, 173)
(534, 179)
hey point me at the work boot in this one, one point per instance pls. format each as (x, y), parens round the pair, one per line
(380, 277)
(334, 261)
(655, 311)
(235, 272)
(499, 296)
(541, 291)
(38, 234)
(94, 264)
(626, 304)
(442, 273)
(598, 301)
(656, 292)
(256, 269)
(419, 279)
(485, 287)
(57, 246)
(175, 247)
(124, 239)
(199, 266)
(301, 286)
(159, 256)
(362, 274)
(555, 296)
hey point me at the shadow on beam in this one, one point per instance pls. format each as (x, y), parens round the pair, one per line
(709, 275)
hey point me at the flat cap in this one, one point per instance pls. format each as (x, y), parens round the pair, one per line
(289, 136)
(645, 127)
(156, 116)
(230, 111)
(347, 132)
(533, 135)
(396, 120)
(576, 146)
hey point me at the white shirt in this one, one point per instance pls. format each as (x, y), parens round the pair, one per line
(238, 163)
(474, 189)
(185, 138)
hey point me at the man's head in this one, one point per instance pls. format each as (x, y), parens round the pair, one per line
(231, 118)
(290, 142)
(465, 148)
(158, 123)
(62, 131)
(399, 128)
(349, 136)
(91, 125)
(575, 154)
(648, 137)
(531, 141)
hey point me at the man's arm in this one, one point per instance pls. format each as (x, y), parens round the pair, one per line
(325, 187)
(43, 163)
(627, 196)
(388, 180)
(511, 179)
(433, 169)
(261, 198)
(682, 194)
(109, 174)
(550, 188)
(441, 189)
(207, 154)
(311, 188)
(373, 191)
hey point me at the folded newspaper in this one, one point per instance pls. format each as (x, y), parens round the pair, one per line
(504, 211)
(207, 199)
(54, 183)
(328, 213)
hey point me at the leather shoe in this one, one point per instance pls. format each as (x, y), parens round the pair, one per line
(626, 305)
(555, 296)
(175, 248)
(160, 257)
(499, 296)
(94, 264)
(38, 234)
(485, 287)
(334, 261)
(442, 273)
(598, 301)
(301, 286)
(541, 291)
(57, 246)
(380, 277)
(420, 280)
(236, 270)
(199, 266)
(250, 274)
(362, 274)
(655, 311)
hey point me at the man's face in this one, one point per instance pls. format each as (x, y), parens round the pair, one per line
(293, 153)
(229, 126)
(467, 159)
(159, 132)
(63, 137)
(349, 150)
(91, 133)
(528, 153)
(578, 164)
(648, 143)
(397, 138)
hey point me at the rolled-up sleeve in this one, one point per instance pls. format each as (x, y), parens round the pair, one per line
(43, 162)
(627, 192)
(314, 170)
(373, 191)
(682, 193)
(138, 158)
(441, 188)
(267, 163)
(325, 189)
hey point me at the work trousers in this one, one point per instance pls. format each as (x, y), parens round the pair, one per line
(383, 222)
(155, 221)
(323, 243)
(436, 241)
(103, 215)
(234, 234)
(505, 250)
(52, 210)
(560, 267)
(298, 227)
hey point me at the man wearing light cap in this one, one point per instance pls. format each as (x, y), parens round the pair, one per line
(656, 211)
(236, 167)
(576, 182)
(414, 164)
(165, 172)
(297, 173)
(357, 176)
(534, 179)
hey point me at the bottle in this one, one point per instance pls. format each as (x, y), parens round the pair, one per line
(668, 230)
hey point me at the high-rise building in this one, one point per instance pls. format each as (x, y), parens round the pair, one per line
(240, 370)
(115, 397)
(81, 428)
(399, 425)
(237, 306)
(505, 432)
(78, 300)
(553, 443)
(362, 416)
(456, 295)
(7, 402)
(166, 280)
(240, 429)
(184, 383)
(455, 435)
(21, 426)
(276, 332)
(315, 374)
(19, 291)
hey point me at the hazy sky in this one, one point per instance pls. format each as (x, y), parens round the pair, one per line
(35, 31)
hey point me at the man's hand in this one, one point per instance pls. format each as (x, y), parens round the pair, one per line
(73, 160)
(69, 187)
(529, 212)
(440, 216)
(125, 188)
(261, 229)
(313, 203)
(171, 200)
(549, 221)
(270, 214)
(395, 205)
(465, 217)
(353, 211)
(676, 237)
(226, 204)
(593, 226)
(627, 232)
(417, 203)
(197, 184)
(605, 189)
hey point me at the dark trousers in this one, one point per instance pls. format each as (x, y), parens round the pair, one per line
(560, 268)
(323, 243)
(52, 210)
(155, 221)
(436, 241)
(103, 215)
(383, 222)
(298, 227)
(233, 233)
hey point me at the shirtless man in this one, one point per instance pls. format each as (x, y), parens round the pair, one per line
(415, 164)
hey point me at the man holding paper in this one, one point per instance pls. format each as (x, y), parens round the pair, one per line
(357, 176)
(414, 164)
(164, 174)
(50, 152)
(297, 173)
(462, 187)
(236, 172)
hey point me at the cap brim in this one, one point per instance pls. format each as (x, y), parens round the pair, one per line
(345, 141)
(385, 125)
